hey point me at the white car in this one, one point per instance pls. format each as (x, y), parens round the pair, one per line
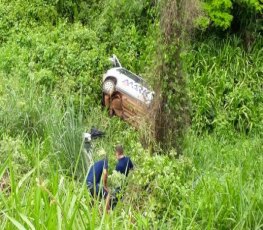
(125, 92)
(122, 80)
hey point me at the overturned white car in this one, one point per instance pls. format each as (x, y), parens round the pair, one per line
(125, 93)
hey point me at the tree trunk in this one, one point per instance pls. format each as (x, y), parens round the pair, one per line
(172, 103)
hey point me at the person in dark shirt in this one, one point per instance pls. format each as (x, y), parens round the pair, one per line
(98, 172)
(124, 164)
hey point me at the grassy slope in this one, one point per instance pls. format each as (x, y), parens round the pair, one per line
(216, 185)
(226, 85)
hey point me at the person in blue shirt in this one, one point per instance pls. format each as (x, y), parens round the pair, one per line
(124, 164)
(99, 172)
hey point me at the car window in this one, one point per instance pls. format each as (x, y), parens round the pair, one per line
(131, 75)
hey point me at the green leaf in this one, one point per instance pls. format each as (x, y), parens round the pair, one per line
(28, 222)
(15, 222)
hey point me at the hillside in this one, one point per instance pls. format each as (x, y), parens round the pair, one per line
(52, 57)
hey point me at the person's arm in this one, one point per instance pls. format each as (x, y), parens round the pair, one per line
(105, 175)
(105, 179)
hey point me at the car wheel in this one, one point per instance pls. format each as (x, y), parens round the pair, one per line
(109, 87)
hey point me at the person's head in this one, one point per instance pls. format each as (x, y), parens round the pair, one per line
(119, 150)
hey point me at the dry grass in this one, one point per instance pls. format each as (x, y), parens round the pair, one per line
(5, 183)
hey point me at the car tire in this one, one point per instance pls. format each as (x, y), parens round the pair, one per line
(109, 87)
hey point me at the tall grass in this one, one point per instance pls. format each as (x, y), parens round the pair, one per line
(43, 162)
(225, 85)
(53, 202)
(36, 115)
(227, 193)
(217, 184)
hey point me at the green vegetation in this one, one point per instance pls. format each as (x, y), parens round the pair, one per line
(52, 57)
(226, 86)
(223, 13)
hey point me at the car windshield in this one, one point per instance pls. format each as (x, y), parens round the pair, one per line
(131, 75)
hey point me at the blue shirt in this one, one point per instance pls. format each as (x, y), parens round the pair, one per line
(96, 170)
(124, 165)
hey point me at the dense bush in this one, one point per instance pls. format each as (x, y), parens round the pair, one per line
(216, 185)
(70, 58)
(64, 58)
(238, 16)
